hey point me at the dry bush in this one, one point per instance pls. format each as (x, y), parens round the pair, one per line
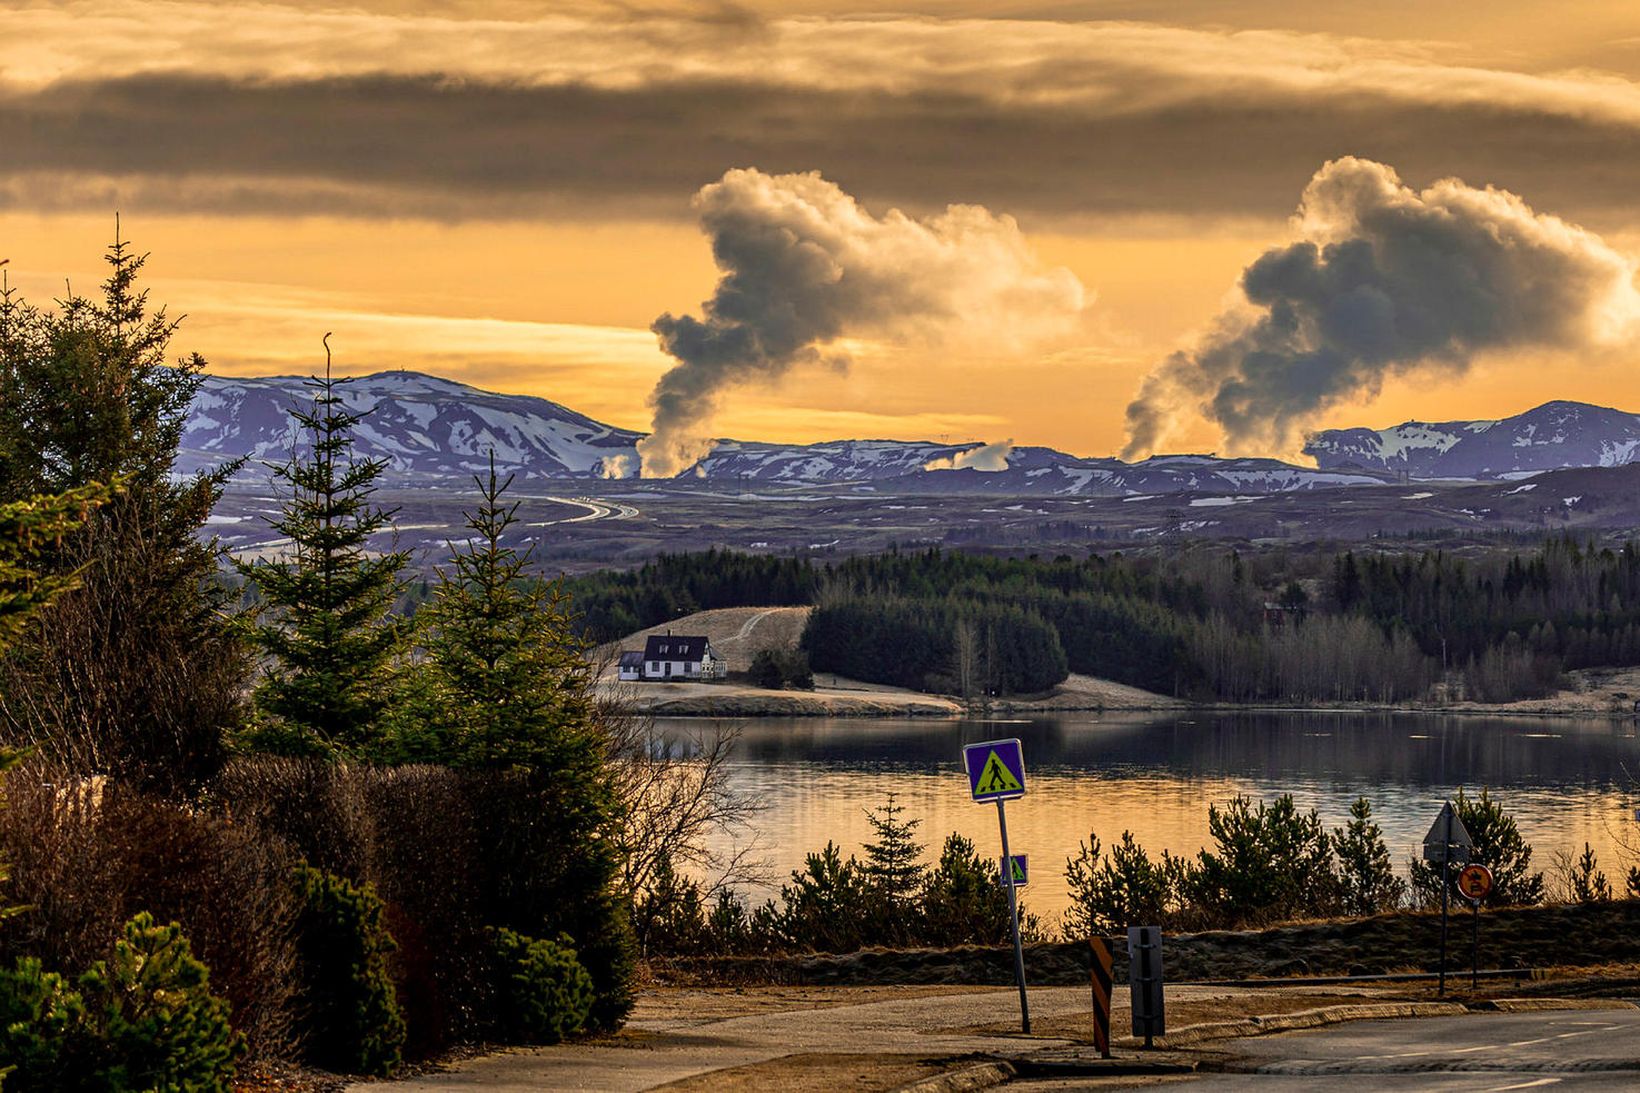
(424, 866)
(88, 855)
(319, 810)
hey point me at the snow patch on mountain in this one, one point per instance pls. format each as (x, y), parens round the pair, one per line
(1554, 436)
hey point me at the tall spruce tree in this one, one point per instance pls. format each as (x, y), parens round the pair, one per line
(328, 627)
(138, 671)
(507, 668)
(506, 688)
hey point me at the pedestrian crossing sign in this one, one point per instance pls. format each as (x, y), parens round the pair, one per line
(996, 770)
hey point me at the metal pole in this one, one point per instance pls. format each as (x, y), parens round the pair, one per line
(1013, 916)
(1474, 944)
(1446, 887)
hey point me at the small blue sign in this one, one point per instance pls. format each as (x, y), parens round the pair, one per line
(1022, 871)
(996, 770)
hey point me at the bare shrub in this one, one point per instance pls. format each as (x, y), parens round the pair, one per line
(318, 809)
(677, 796)
(88, 855)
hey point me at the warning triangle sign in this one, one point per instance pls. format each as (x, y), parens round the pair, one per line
(1019, 871)
(996, 777)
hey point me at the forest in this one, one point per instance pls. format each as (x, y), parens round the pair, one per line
(1380, 623)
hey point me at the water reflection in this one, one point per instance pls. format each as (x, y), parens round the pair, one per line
(1567, 781)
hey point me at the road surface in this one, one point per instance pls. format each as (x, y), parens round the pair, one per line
(1574, 1050)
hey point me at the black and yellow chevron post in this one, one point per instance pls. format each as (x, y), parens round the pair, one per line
(1102, 961)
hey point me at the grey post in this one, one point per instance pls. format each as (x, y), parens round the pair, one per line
(1446, 889)
(1013, 915)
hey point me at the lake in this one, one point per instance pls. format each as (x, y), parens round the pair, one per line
(1566, 781)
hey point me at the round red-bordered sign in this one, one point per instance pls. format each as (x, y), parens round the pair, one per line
(1474, 882)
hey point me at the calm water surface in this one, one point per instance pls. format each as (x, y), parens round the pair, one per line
(1566, 781)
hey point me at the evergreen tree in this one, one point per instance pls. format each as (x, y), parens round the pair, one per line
(505, 687)
(1589, 884)
(893, 869)
(1366, 875)
(507, 669)
(828, 904)
(962, 903)
(139, 671)
(331, 638)
(1267, 864)
(1125, 888)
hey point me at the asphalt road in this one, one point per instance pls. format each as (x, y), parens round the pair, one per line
(1573, 1049)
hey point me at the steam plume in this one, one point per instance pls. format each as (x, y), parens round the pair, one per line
(617, 466)
(986, 457)
(804, 265)
(1385, 281)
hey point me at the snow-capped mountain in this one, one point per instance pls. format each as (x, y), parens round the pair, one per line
(1553, 436)
(431, 428)
(420, 424)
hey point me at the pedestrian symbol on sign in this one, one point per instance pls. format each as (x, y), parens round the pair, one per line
(997, 778)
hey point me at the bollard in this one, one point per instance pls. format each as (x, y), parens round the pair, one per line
(1101, 971)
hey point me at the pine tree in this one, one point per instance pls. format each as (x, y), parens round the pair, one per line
(505, 664)
(331, 636)
(893, 870)
(138, 671)
(1589, 884)
(1367, 880)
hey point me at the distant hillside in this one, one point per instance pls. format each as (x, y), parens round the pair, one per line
(1553, 436)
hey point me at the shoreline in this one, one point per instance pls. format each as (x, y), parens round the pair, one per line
(867, 705)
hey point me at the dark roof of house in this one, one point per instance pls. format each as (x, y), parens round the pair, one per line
(631, 658)
(675, 647)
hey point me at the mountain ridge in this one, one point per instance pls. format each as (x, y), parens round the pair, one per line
(431, 428)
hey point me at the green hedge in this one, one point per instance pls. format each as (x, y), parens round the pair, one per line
(352, 1019)
(542, 992)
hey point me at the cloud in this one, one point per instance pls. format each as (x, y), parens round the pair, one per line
(985, 457)
(804, 266)
(1385, 281)
(524, 114)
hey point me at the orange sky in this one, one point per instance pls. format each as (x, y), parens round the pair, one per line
(503, 198)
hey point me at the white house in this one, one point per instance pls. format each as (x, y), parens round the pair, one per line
(631, 668)
(679, 656)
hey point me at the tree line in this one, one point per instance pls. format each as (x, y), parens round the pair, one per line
(1265, 863)
(1384, 624)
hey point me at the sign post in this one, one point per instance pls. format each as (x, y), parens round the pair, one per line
(996, 772)
(1145, 982)
(1448, 841)
(1474, 884)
